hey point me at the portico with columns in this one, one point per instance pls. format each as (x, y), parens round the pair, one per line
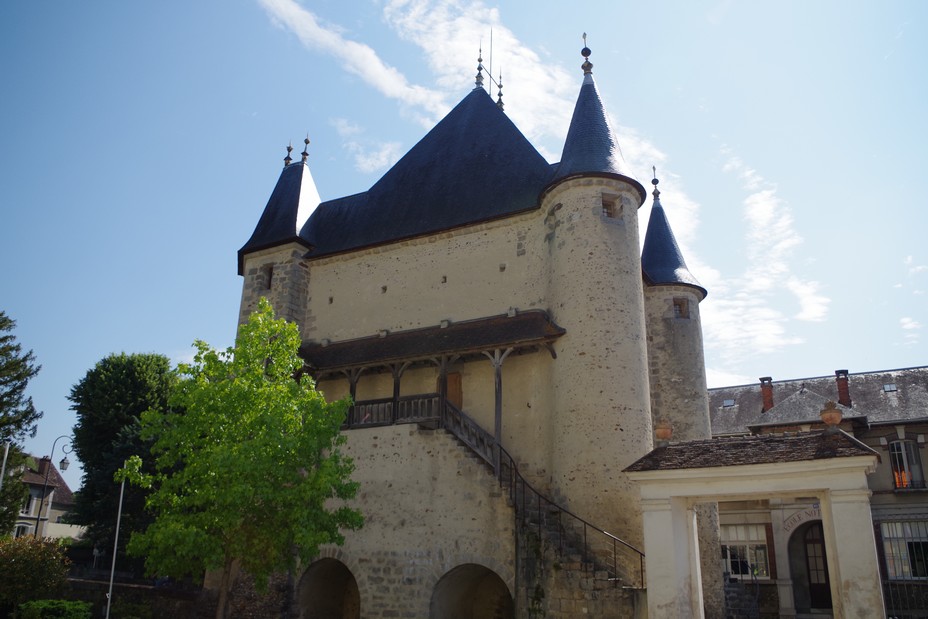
(829, 467)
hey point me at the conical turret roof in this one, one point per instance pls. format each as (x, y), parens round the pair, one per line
(290, 205)
(661, 259)
(591, 147)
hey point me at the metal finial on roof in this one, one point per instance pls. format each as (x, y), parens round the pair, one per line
(479, 80)
(657, 192)
(288, 159)
(587, 66)
(305, 153)
(499, 91)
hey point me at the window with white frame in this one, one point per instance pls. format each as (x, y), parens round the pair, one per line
(905, 548)
(907, 465)
(744, 551)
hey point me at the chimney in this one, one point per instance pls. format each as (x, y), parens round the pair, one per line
(844, 391)
(766, 392)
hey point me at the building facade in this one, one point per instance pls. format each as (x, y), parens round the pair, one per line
(774, 547)
(46, 504)
(509, 352)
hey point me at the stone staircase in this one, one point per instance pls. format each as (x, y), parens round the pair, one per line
(567, 566)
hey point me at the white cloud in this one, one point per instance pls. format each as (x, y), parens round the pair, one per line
(721, 378)
(377, 158)
(911, 329)
(813, 306)
(345, 127)
(357, 58)
(743, 318)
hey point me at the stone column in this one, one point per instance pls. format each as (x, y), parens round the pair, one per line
(781, 552)
(854, 572)
(672, 550)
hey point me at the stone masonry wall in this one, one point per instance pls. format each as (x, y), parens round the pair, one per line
(430, 505)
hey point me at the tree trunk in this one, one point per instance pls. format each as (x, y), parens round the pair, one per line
(225, 589)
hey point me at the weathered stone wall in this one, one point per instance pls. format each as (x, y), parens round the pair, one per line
(429, 506)
(601, 395)
(282, 276)
(676, 362)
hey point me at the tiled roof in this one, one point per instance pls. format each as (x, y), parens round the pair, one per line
(473, 166)
(800, 400)
(755, 449)
(661, 259)
(591, 146)
(529, 328)
(36, 477)
(293, 199)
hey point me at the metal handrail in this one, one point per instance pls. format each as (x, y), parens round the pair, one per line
(429, 408)
(484, 444)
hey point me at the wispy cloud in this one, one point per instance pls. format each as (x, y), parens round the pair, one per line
(357, 58)
(743, 320)
(369, 159)
(914, 269)
(911, 330)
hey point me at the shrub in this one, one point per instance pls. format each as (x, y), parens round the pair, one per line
(30, 569)
(54, 609)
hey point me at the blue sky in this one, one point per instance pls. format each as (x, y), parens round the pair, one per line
(140, 142)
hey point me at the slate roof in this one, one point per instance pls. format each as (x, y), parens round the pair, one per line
(754, 449)
(36, 477)
(473, 166)
(591, 146)
(800, 400)
(531, 328)
(661, 259)
(293, 199)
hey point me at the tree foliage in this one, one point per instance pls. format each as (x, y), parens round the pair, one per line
(109, 401)
(18, 417)
(30, 569)
(251, 471)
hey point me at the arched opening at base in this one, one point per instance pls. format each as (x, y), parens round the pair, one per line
(471, 591)
(328, 590)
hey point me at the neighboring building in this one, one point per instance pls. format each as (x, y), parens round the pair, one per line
(776, 546)
(57, 502)
(509, 349)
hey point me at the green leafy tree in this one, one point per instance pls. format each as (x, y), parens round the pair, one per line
(18, 417)
(109, 401)
(251, 471)
(30, 569)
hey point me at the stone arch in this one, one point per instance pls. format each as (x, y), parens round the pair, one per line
(471, 591)
(328, 590)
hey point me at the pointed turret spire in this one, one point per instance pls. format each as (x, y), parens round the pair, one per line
(499, 91)
(661, 259)
(591, 146)
(294, 198)
(479, 80)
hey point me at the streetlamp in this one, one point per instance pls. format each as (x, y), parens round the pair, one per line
(64, 464)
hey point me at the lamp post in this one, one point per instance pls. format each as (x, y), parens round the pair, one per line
(64, 464)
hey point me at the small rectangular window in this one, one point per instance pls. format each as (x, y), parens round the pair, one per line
(728, 403)
(681, 307)
(612, 208)
(889, 387)
(744, 551)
